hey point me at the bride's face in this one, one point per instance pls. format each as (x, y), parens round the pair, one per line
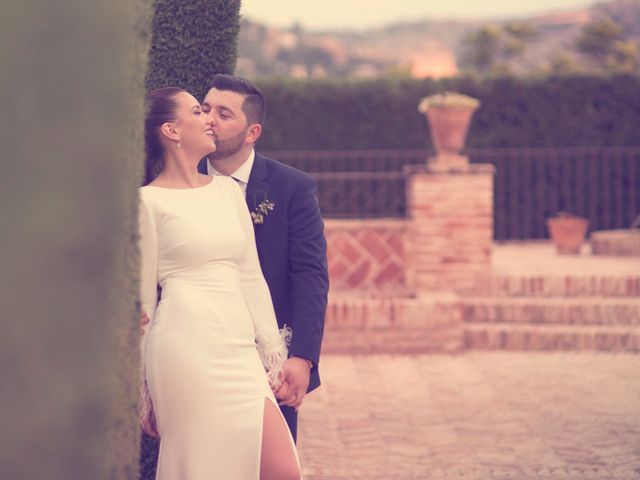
(193, 127)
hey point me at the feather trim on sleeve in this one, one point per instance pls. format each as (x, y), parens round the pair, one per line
(274, 351)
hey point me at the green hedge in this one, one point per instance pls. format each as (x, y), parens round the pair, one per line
(191, 41)
(382, 114)
(72, 78)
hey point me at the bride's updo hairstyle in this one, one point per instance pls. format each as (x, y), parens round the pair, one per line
(160, 106)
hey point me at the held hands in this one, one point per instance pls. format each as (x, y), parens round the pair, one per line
(296, 381)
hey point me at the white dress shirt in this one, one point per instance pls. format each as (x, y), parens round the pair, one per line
(241, 175)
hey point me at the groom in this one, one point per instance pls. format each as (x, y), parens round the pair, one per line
(288, 228)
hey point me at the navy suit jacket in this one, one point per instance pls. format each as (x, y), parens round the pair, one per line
(293, 253)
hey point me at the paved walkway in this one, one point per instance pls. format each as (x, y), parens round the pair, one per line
(479, 415)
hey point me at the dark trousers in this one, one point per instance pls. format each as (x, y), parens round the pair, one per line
(149, 449)
(150, 446)
(291, 416)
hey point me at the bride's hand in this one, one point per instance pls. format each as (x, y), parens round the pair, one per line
(144, 320)
(149, 427)
(146, 414)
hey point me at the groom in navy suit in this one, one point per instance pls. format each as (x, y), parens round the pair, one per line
(288, 228)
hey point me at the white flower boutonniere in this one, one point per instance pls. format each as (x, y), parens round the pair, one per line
(262, 210)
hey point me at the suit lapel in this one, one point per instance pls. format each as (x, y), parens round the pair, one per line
(202, 166)
(258, 186)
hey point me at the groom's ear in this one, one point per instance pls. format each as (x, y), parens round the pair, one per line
(253, 133)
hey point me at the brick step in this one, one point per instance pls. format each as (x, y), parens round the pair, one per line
(568, 311)
(514, 285)
(393, 325)
(491, 336)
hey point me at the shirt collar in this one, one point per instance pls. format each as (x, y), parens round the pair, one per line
(242, 173)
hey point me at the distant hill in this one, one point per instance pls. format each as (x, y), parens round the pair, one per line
(424, 48)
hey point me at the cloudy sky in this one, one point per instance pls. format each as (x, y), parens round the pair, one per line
(358, 14)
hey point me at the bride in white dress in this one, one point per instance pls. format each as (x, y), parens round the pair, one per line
(212, 354)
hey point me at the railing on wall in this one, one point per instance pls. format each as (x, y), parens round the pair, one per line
(531, 184)
(357, 183)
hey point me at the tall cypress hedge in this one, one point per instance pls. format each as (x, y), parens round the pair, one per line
(382, 114)
(191, 41)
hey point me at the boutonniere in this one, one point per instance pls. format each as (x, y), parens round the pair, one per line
(263, 209)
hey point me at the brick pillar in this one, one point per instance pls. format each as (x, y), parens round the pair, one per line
(451, 231)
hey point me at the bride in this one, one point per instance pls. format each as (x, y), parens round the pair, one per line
(213, 353)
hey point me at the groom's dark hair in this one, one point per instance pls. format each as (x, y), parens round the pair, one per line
(255, 103)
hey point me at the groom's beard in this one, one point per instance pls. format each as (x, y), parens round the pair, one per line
(226, 148)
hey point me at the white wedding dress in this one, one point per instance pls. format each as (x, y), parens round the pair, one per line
(211, 336)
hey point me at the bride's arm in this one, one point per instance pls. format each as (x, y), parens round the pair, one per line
(148, 261)
(272, 343)
(149, 298)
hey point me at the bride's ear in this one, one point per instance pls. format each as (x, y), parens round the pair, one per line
(168, 130)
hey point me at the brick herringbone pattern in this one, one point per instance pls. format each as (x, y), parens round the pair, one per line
(366, 255)
(477, 416)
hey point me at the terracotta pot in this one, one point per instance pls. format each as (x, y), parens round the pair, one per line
(449, 126)
(567, 233)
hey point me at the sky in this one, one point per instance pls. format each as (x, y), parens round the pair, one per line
(361, 14)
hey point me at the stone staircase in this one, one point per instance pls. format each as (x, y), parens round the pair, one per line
(554, 312)
(510, 311)
(359, 324)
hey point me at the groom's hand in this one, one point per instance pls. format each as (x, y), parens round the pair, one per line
(296, 374)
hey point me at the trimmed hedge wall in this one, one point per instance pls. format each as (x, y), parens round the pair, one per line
(73, 79)
(191, 41)
(382, 114)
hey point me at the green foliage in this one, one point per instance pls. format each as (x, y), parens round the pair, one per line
(382, 114)
(625, 57)
(606, 44)
(491, 48)
(598, 39)
(191, 42)
(481, 49)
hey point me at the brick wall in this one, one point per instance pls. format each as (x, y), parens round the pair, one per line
(451, 228)
(368, 256)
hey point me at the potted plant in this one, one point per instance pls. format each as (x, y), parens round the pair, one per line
(448, 115)
(568, 232)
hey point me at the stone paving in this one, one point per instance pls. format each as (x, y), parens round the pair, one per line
(540, 257)
(477, 415)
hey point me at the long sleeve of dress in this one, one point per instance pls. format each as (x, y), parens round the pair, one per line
(148, 261)
(148, 294)
(272, 343)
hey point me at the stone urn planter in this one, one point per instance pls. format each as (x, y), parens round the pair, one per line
(448, 116)
(567, 232)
